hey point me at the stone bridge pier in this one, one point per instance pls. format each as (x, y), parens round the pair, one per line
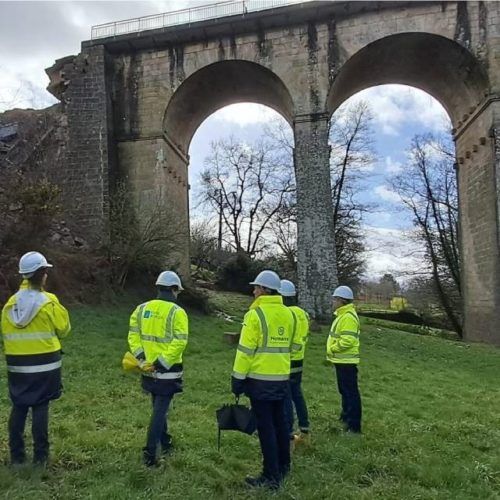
(134, 101)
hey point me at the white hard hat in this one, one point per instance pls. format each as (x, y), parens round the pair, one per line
(344, 292)
(31, 262)
(169, 278)
(267, 279)
(287, 289)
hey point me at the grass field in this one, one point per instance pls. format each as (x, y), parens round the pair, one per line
(431, 422)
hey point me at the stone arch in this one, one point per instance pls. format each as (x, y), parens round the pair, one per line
(433, 63)
(217, 85)
(450, 73)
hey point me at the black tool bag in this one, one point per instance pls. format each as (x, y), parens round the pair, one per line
(235, 417)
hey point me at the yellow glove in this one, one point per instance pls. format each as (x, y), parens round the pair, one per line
(147, 367)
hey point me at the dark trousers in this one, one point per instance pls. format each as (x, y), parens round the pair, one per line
(158, 430)
(39, 429)
(347, 382)
(273, 436)
(296, 399)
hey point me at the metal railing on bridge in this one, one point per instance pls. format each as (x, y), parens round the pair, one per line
(186, 16)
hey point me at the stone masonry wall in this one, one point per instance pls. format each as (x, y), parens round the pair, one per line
(88, 161)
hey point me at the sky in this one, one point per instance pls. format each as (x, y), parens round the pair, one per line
(34, 34)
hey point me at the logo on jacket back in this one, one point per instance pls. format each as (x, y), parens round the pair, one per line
(281, 337)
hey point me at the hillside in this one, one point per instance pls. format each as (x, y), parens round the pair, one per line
(431, 421)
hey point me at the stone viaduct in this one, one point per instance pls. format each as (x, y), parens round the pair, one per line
(133, 103)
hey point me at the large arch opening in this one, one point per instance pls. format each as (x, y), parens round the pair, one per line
(439, 66)
(203, 93)
(391, 146)
(457, 79)
(241, 173)
(221, 84)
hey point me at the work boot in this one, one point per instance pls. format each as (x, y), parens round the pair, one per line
(256, 482)
(149, 458)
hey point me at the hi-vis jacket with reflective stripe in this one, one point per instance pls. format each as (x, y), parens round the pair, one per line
(33, 322)
(343, 342)
(159, 330)
(269, 330)
(302, 333)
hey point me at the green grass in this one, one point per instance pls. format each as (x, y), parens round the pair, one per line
(431, 422)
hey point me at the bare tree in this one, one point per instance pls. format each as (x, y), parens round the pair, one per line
(145, 238)
(428, 189)
(246, 185)
(351, 140)
(204, 247)
(352, 158)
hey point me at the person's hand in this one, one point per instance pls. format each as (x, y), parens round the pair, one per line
(146, 367)
(237, 386)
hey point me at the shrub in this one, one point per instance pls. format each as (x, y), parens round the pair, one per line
(237, 272)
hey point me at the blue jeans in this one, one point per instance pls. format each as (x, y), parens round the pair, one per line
(273, 437)
(157, 431)
(39, 429)
(296, 398)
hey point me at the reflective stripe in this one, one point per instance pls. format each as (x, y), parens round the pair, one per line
(138, 352)
(345, 356)
(35, 368)
(133, 329)
(263, 324)
(168, 325)
(164, 376)
(180, 336)
(139, 316)
(276, 350)
(351, 334)
(164, 362)
(294, 324)
(297, 369)
(259, 376)
(29, 336)
(158, 340)
(246, 350)
(296, 347)
(239, 376)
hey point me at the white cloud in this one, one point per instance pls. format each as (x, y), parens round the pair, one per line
(391, 251)
(247, 114)
(391, 166)
(395, 106)
(386, 194)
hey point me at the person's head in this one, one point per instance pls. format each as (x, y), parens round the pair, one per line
(288, 292)
(33, 266)
(342, 295)
(266, 283)
(168, 281)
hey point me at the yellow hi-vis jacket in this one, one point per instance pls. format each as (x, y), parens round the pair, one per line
(343, 342)
(267, 337)
(159, 330)
(302, 334)
(33, 321)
